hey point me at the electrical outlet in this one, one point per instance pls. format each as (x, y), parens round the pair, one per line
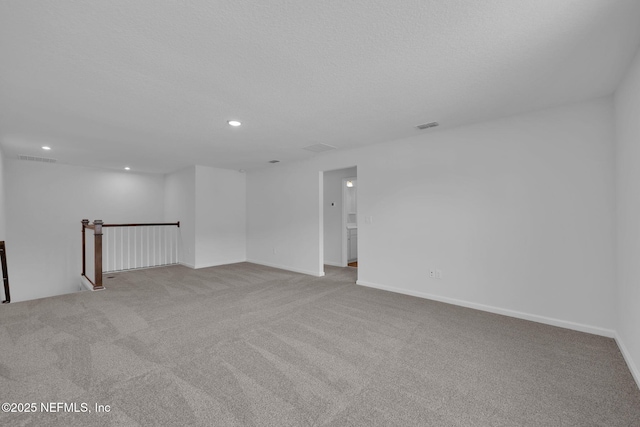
(438, 274)
(432, 273)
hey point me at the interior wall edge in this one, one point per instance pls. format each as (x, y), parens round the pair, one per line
(635, 372)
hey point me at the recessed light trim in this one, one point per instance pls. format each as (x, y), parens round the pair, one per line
(46, 148)
(234, 123)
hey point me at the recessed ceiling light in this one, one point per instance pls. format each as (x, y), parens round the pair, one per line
(234, 123)
(46, 148)
(127, 168)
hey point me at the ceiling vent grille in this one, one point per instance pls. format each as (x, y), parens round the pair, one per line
(274, 161)
(319, 148)
(428, 125)
(36, 159)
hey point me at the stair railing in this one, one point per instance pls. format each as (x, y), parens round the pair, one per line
(98, 227)
(5, 272)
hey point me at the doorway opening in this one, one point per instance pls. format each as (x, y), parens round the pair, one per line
(350, 221)
(340, 217)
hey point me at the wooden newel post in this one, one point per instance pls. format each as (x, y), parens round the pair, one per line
(97, 232)
(5, 273)
(85, 222)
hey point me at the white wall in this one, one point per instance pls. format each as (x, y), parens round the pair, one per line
(627, 109)
(284, 216)
(45, 204)
(518, 213)
(333, 214)
(220, 212)
(210, 204)
(180, 205)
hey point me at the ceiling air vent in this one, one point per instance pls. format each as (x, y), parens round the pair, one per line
(319, 148)
(36, 159)
(428, 125)
(274, 161)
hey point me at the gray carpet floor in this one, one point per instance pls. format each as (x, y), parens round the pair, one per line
(248, 345)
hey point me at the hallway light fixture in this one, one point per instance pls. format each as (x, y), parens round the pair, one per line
(234, 122)
(46, 148)
(127, 168)
(349, 184)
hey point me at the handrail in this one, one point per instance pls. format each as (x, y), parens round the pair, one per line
(152, 224)
(5, 273)
(97, 227)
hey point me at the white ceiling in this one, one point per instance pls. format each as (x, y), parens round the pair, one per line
(152, 83)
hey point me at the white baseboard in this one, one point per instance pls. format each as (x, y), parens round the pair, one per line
(609, 333)
(140, 268)
(215, 264)
(627, 358)
(284, 267)
(334, 264)
(187, 265)
(86, 285)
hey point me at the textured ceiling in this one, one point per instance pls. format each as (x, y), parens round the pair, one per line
(152, 83)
